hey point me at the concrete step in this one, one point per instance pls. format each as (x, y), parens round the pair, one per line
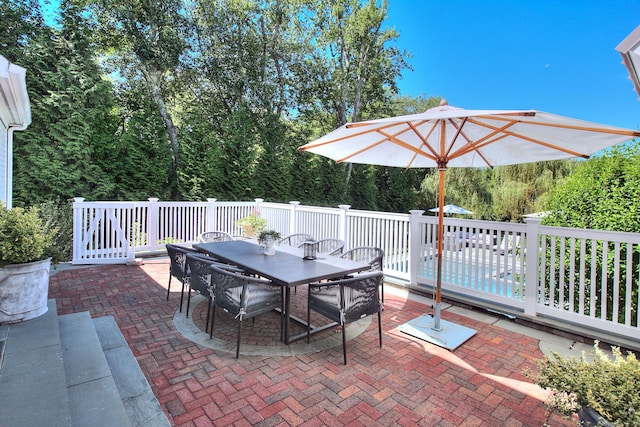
(141, 405)
(33, 389)
(72, 370)
(93, 394)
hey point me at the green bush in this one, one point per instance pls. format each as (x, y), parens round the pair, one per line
(607, 385)
(23, 236)
(57, 215)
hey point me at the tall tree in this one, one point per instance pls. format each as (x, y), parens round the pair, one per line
(245, 94)
(353, 69)
(55, 158)
(516, 188)
(21, 23)
(145, 41)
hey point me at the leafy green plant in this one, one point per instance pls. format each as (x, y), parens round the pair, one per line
(23, 236)
(266, 234)
(254, 220)
(607, 385)
(57, 215)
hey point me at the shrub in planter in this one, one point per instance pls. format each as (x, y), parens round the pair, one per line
(608, 386)
(253, 224)
(23, 236)
(25, 263)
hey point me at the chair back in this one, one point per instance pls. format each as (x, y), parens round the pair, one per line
(178, 259)
(214, 236)
(199, 274)
(361, 295)
(366, 254)
(295, 239)
(330, 246)
(242, 295)
(347, 300)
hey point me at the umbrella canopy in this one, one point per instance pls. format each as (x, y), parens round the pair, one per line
(452, 209)
(447, 136)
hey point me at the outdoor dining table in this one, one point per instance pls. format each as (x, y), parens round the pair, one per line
(286, 268)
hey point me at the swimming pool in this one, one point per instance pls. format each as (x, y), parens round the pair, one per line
(490, 273)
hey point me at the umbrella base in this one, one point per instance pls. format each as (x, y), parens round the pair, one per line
(449, 335)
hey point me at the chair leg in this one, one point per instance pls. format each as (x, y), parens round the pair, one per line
(238, 343)
(380, 327)
(206, 325)
(188, 299)
(213, 317)
(181, 296)
(169, 286)
(344, 343)
(382, 291)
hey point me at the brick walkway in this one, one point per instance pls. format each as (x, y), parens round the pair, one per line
(408, 382)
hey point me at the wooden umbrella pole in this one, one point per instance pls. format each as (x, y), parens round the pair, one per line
(436, 317)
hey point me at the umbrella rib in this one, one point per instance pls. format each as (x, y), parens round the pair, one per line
(342, 138)
(527, 138)
(472, 145)
(571, 127)
(401, 143)
(458, 133)
(425, 139)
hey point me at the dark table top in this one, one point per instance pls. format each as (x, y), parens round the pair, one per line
(286, 267)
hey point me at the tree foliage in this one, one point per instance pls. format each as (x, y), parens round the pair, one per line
(211, 98)
(603, 193)
(71, 121)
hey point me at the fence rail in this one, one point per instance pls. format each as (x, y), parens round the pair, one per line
(579, 277)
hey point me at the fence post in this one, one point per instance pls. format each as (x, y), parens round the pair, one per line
(78, 231)
(532, 261)
(293, 216)
(415, 243)
(342, 232)
(211, 215)
(153, 236)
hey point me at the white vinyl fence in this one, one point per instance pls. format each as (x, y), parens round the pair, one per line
(586, 278)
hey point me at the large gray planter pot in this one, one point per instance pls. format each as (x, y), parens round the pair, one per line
(24, 289)
(590, 418)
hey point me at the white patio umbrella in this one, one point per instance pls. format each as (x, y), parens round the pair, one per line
(446, 136)
(452, 209)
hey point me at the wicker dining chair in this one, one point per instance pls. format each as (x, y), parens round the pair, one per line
(295, 239)
(345, 301)
(200, 278)
(370, 255)
(214, 236)
(330, 246)
(242, 296)
(177, 267)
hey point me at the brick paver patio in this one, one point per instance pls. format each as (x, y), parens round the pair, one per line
(408, 382)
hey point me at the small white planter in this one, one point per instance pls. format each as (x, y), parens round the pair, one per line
(269, 246)
(24, 289)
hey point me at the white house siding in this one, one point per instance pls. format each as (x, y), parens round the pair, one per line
(4, 178)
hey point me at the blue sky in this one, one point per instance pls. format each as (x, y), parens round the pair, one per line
(555, 56)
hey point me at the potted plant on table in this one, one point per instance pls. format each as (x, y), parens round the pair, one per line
(24, 264)
(603, 392)
(252, 225)
(267, 240)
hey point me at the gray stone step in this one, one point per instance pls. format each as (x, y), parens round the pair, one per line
(33, 389)
(141, 405)
(72, 370)
(93, 394)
